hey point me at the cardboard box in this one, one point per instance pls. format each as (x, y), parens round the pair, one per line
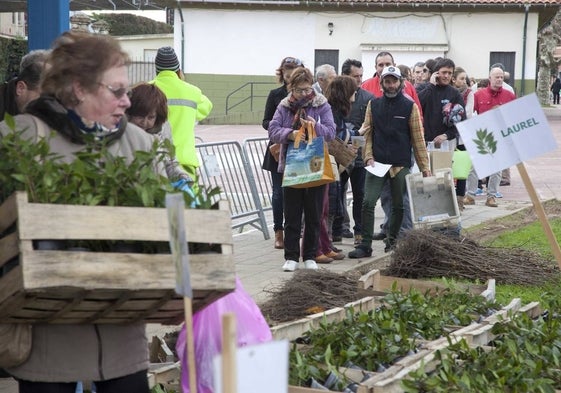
(440, 160)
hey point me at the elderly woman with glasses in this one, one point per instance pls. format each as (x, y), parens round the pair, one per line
(302, 107)
(270, 162)
(84, 99)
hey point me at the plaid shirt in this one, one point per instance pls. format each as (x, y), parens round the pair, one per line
(417, 139)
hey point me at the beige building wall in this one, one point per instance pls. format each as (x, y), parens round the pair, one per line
(144, 47)
(12, 24)
(254, 42)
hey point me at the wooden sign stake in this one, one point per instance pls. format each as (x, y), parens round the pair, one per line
(229, 347)
(540, 212)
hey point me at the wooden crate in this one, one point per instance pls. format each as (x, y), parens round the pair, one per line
(389, 381)
(77, 286)
(373, 286)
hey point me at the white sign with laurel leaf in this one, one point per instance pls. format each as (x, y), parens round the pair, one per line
(507, 135)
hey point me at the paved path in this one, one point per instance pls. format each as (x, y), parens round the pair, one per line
(258, 264)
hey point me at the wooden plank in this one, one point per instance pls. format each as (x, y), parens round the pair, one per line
(91, 270)
(122, 223)
(8, 248)
(301, 389)
(294, 329)
(503, 313)
(10, 283)
(8, 212)
(369, 280)
(533, 309)
(385, 283)
(291, 330)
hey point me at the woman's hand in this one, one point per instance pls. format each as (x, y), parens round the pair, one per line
(308, 120)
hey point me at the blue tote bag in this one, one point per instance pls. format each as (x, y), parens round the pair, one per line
(307, 164)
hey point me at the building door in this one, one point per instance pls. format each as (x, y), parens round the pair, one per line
(507, 59)
(327, 56)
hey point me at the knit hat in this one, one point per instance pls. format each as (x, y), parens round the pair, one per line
(166, 59)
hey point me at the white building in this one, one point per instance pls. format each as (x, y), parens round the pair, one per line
(248, 37)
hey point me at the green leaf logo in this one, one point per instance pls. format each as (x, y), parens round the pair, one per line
(485, 142)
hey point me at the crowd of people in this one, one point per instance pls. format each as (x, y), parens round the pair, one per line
(387, 119)
(396, 113)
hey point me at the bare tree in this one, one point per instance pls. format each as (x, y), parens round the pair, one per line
(549, 39)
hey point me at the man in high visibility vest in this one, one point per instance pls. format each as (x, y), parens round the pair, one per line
(186, 106)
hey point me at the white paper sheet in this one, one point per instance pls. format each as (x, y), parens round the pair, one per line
(378, 169)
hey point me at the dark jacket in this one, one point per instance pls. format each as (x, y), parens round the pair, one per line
(358, 108)
(273, 101)
(391, 139)
(433, 99)
(556, 86)
(8, 99)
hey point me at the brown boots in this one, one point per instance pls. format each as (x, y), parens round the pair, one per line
(279, 239)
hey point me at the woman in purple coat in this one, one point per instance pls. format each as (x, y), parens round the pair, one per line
(301, 107)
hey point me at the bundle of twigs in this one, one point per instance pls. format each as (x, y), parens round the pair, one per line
(427, 253)
(309, 292)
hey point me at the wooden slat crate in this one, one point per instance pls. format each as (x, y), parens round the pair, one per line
(389, 381)
(79, 286)
(373, 286)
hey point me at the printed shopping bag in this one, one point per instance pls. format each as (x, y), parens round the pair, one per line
(461, 164)
(307, 164)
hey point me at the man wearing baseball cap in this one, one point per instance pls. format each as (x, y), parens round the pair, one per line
(392, 126)
(186, 106)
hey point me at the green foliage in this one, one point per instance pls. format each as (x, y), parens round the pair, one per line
(128, 24)
(95, 177)
(526, 357)
(11, 52)
(485, 142)
(375, 340)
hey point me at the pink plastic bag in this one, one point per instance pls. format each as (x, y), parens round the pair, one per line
(207, 334)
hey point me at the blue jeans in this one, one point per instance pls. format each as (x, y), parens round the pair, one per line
(373, 187)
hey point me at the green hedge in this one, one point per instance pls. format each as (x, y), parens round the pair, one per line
(11, 52)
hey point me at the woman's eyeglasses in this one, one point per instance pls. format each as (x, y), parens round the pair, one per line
(303, 91)
(117, 92)
(292, 60)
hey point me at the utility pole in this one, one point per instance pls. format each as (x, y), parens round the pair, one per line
(46, 20)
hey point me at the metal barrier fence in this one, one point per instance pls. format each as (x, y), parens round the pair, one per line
(254, 149)
(225, 165)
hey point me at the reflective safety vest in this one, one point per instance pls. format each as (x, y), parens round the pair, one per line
(186, 106)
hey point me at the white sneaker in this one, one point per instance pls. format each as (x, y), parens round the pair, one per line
(290, 266)
(310, 264)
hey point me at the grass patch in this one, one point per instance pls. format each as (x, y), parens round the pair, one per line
(530, 237)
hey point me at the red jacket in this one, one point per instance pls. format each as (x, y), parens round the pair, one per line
(487, 99)
(373, 86)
